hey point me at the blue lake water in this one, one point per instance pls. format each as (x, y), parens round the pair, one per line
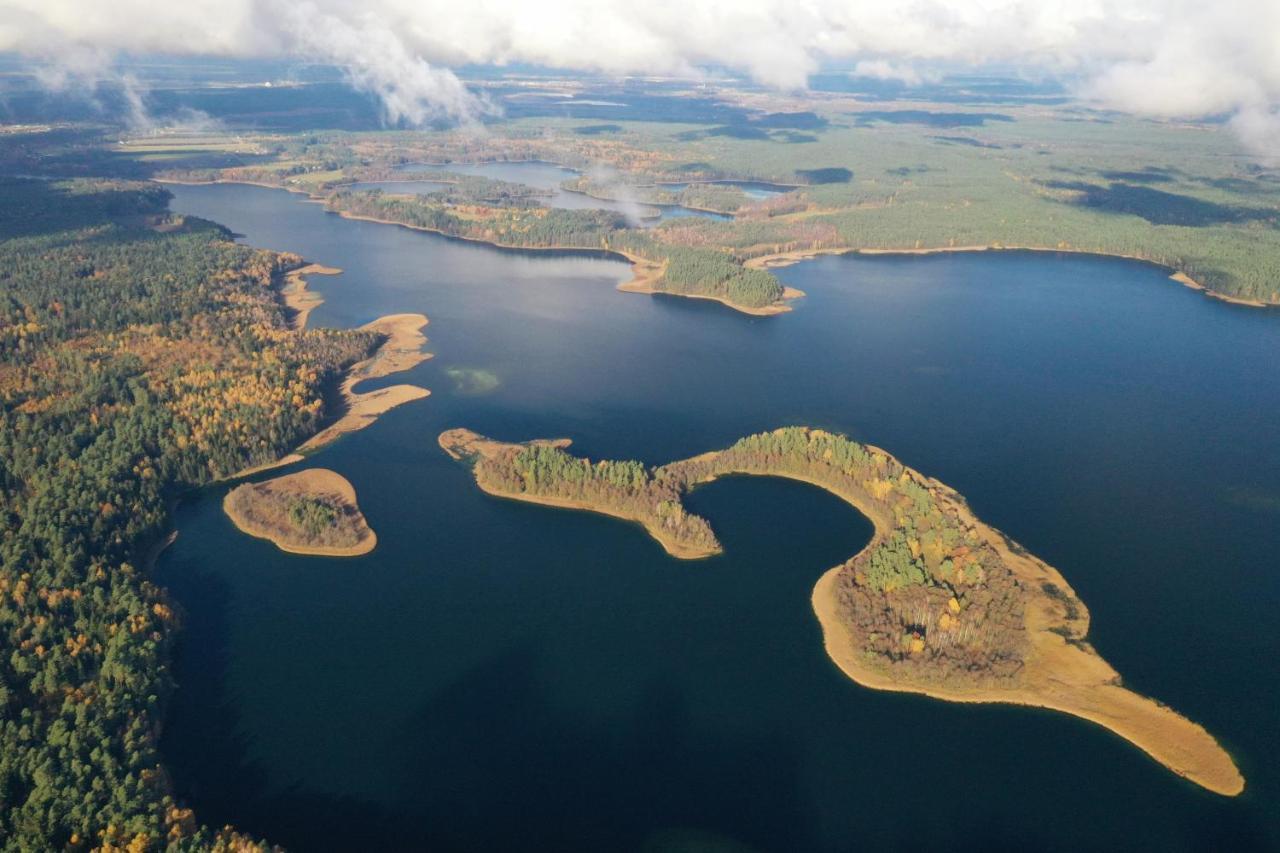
(504, 676)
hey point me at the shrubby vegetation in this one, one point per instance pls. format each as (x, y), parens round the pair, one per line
(705, 272)
(313, 516)
(142, 356)
(523, 227)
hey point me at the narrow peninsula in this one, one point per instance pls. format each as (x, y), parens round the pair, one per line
(310, 512)
(937, 603)
(400, 350)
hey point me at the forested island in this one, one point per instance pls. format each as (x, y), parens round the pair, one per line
(937, 603)
(311, 512)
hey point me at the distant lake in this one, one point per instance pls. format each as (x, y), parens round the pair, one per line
(505, 676)
(549, 176)
(755, 190)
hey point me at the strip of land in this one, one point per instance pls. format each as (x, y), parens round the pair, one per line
(312, 512)
(297, 297)
(401, 351)
(938, 603)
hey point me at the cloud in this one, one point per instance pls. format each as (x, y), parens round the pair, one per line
(1154, 57)
(882, 69)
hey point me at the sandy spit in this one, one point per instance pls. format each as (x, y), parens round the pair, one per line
(401, 351)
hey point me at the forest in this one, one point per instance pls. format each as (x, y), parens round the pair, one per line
(144, 355)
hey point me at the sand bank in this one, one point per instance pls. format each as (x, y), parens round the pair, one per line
(297, 297)
(1061, 675)
(401, 351)
(261, 510)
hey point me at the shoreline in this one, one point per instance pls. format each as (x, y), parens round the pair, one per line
(646, 272)
(296, 295)
(673, 548)
(641, 268)
(401, 351)
(777, 260)
(305, 483)
(1114, 702)
(626, 287)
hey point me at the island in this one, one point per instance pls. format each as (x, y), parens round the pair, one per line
(937, 603)
(311, 512)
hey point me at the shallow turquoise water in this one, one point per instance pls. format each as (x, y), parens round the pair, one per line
(498, 675)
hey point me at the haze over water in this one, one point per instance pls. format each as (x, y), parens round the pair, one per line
(503, 675)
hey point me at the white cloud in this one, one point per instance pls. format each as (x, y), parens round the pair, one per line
(883, 69)
(1157, 57)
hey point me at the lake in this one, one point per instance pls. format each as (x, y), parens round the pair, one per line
(549, 176)
(499, 675)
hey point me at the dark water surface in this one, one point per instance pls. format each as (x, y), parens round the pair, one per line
(505, 676)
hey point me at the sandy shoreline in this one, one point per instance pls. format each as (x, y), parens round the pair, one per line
(783, 259)
(1058, 675)
(643, 271)
(670, 545)
(642, 281)
(769, 261)
(401, 351)
(313, 482)
(1177, 743)
(297, 297)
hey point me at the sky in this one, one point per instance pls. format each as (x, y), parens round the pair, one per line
(1162, 58)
